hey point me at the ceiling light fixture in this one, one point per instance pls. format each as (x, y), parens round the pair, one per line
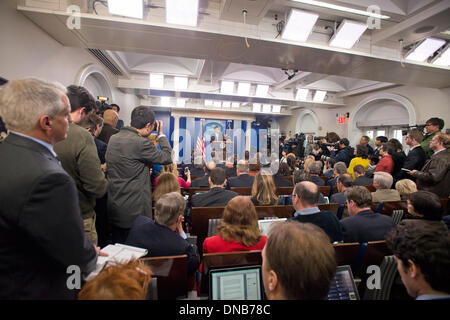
(243, 88)
(129, 8)
(181, 103)
(235, 105)
(182, 12)
(180, 83)
(342, 8)
(208, 103)
(443, 59)
(301, 94)
(299, 25)
(257, 107)
(227, 87)
(276, 108)
(319, 96)
(347, 34)
(425, 49)
(165, 101)
(266, 108)
(262, 90)
(217, 104)
(156, 80)
(226, 104)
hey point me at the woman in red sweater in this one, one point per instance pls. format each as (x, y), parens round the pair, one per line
(238, 231)
(386, 163)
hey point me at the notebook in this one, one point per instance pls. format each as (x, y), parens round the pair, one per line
(236, 283)
(343, 286)
(264, 225)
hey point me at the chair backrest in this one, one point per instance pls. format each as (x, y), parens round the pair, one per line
(325, 190)
(195, 177)
(333, 207)
(227, 259)
(212, 227)
(388, 272)
(171, 274)
(346, 253)
(343, 212)
(394, 209)
(324, 179)
(374, 253)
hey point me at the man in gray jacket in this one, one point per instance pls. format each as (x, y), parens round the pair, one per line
(129, 158)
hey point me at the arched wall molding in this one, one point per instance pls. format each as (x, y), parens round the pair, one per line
(354, 133)
(98, 72)
(302, 115)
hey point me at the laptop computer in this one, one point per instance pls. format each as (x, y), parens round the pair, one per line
(343, 286)
(236, 283)
(264, 225)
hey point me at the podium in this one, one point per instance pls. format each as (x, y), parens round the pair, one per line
(225, 147)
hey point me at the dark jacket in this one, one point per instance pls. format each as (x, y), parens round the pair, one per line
(344, 155)
(119, 124)
(201, 182)
(399, 159)
(338, 198)
(435, 174)
(129, 158)
(363, 181)
(101, 149)
(107, 132)
(366, 226)
(242, 181)
(161, 241)
(415, 160)
(215, 197)
(280, 181)
(325, 220)
(317, 180)
(41, 230)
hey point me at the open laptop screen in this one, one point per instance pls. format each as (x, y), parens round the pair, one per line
(343, 286)
(236, 283)
(264, 225)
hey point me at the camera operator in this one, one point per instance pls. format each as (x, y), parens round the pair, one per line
(344, 152)
(309, 145)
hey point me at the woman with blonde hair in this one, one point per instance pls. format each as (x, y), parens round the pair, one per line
(308, 161)
(264, 190)
(172, 168)
(405, 187)
(238, 231)
(168, 182)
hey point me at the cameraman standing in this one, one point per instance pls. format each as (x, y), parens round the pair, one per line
(344, 153)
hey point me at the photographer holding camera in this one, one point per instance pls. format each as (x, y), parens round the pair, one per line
(344, 152)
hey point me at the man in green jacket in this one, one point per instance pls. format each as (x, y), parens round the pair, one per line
(432, 126)
(79, 157)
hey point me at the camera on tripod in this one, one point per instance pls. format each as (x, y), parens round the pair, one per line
(295, 144)
(420, 127)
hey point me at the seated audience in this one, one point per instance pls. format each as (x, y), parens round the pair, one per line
(238, 230)
(292, 162)
(308, 271)
(279, 176)
(372, 166)
(435, 174)
(196, 168)
(405, 187)
(172, 168)
(425, 205)
(168, 182)
(363, 225)
(204, 181)
(344, 182)
(230, 167)
(361, 159)
(243, 179)
(416, 157)
(328, 168)
(421, 249)
(314, 169)
(386, 163)
(301, 175)
(345, 152)
(164, 236)
(339, 168)
(308, 160)
(360, 177)
(264, 190)
(382, 181)
(304, 199)
(110, 118)
(217, 196)
(128, 281)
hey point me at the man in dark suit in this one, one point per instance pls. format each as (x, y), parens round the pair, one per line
(164, 236)
(217, 196)
(338, 169)
(41, 228)
(361, 178)
(314, 170)
(243, 179)
(204, 181)
(110, 118)
(363, 225)
(416, 156)
(344, 182)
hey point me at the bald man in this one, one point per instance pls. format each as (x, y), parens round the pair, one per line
(110, 118)
(204, 181)
(305, 197)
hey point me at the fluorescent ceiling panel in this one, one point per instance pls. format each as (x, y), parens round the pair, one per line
(299, 25)
(156, 80)
(244, 88)
(217, 104)
(227, 87)
(235, 105)
(425, 49)
(128, 8)
(181, 103)
(347, 34)
(266, 108)
(226, 104)
(444, 58)
(257, 107)
(276, 108)
(165, 101)
(180, 83)
(301, 94)
(262, 90)
(182, 12)
(208, 103)
(319, 96)
(342, 8)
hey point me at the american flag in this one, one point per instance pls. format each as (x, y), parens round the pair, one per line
(200, 147)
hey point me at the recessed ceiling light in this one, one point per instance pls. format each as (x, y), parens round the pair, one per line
(156, 80)
(276, 108)
(182, 12)
(165, 101)
(129, 8)
(301, 94)
(257, 107)
(347, 34)
(180, 83)
(425, 49)
(266, 108)
(262, 90)
(299, 25)
(227, 87)
(319, 96)
(181, 103)
(444, 58)
(244, 88)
